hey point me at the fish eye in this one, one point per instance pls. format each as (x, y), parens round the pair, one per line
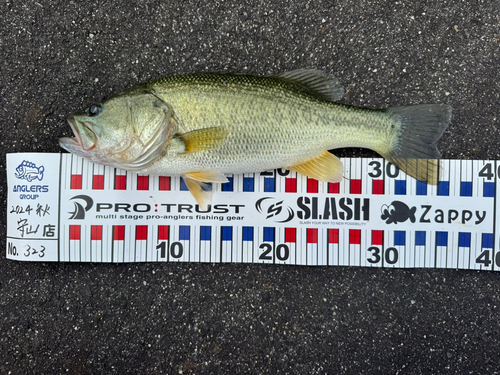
(94, 110)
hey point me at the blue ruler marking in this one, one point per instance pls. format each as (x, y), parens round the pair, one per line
(248, 184)
(228, 186)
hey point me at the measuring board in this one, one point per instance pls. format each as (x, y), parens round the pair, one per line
(64, 208)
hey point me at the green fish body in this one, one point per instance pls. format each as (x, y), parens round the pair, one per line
(202, 126)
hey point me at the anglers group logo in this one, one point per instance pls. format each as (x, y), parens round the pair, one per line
(29, 171)
(398, 212)
(80, 209)
(273, 208)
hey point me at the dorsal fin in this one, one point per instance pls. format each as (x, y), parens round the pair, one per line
(316, 83)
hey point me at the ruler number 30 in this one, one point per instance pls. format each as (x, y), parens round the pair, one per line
(391, 255)
(391, 170)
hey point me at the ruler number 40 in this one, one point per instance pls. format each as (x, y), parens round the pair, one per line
(487, 172)
(485, 260)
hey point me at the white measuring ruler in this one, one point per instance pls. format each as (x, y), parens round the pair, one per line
(64, 208)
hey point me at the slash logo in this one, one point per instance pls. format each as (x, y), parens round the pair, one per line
(273, 208)
(398, 212)
(79, 212)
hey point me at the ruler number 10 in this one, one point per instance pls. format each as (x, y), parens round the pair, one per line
(176, 249)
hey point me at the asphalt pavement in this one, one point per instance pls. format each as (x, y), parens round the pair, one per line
(58, 57)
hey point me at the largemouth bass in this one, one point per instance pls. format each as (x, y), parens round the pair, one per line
(201, 126)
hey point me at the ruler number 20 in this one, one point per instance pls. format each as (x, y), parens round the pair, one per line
(282, 252)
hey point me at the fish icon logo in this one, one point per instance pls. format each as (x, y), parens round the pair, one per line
(29, 171)
(79, 212)
(398, 212)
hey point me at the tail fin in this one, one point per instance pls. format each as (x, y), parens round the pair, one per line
(418, 129)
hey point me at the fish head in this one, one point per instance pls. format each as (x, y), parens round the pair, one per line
(128, 131)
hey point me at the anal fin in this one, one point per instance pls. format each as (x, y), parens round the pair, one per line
(325, 167)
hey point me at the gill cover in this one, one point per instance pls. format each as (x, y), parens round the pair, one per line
(153, 127)
(130, 131)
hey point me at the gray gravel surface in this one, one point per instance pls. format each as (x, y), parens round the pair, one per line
(57, 57)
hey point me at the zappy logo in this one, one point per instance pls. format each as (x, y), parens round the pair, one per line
(82, 203)
(398, 212)
(274, 208)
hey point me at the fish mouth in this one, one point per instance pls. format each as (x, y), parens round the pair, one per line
(84, 139)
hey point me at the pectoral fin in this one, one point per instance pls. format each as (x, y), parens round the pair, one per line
(201, 191)
(325, 167)
(203, 139)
